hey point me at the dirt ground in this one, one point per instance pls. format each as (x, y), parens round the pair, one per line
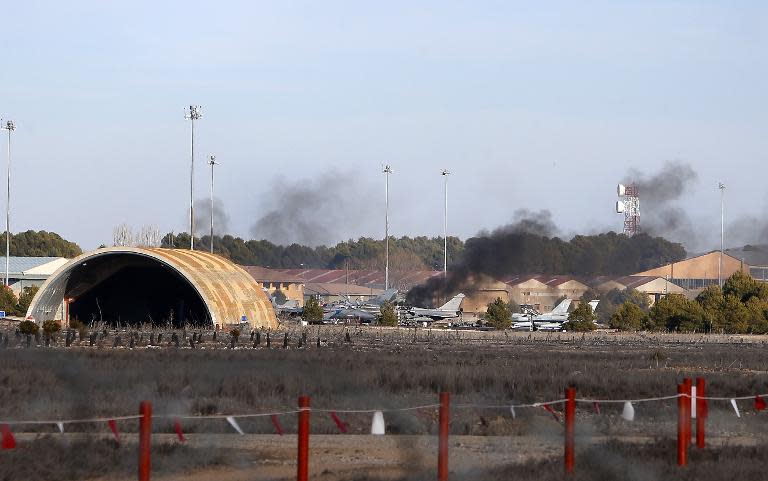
(363, 457)
(385, 369)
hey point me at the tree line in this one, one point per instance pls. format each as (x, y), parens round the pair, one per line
(405, 253)
(739, 307)
(516, 253)
(41, 244)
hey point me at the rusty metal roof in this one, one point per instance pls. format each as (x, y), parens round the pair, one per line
(227, 290)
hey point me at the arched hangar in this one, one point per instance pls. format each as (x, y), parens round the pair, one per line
(130, 285)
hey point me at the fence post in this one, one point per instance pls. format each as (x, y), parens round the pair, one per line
(145, 439)
(701, 411)
(302, 470)
(442, 455)
(570, 418)
(688, 403)
(682, 436)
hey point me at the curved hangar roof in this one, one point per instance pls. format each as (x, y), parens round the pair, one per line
(130, 284)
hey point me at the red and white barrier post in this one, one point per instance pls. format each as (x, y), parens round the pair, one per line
(688, 404)
(145, 439)
(442, 454)
(570, 419)
(701, 412)
(302, 470)
(682, 435)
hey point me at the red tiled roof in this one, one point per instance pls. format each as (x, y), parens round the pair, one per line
(368, 278)
(263, 274)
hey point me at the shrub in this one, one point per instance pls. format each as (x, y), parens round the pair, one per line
(581, 319)
(50, 328)
(312, 310)
(497, 315)
(387, 316)
(29, 328)
(629, 316)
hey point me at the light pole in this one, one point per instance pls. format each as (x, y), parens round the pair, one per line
(445, 175)
(193, 113)
(721, 186)
(10, 127)
(386, 171)
(212, 162)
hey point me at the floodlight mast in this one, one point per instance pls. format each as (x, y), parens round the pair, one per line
(195, 112)
(445, 173)
(386, 171)
(721, 186)
(212, 162)
(10, 127)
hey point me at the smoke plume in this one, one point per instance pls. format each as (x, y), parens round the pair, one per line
(506, 250)
(203, 217)
(312, 211)
(529, 245)
(659, 216)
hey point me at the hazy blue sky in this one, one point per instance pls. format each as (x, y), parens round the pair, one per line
(538, 105)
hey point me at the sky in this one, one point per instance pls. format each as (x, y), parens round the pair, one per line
(530, 105)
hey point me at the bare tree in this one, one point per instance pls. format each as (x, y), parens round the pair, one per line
(149, 236)
(122, 236)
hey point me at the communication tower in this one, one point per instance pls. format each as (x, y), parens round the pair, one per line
(629, 205)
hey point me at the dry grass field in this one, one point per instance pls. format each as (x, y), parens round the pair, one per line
(387, 369)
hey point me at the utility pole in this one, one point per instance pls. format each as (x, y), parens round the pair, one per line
(10, 127)
(445, 175)
(193, 113)
(721, 186)
(212, 162)
(386, 170)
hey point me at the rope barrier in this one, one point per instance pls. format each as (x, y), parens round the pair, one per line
(384, 410)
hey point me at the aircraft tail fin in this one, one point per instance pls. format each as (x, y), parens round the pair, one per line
(453, 304)
(593, 304)
(562, 308)
(387, 296)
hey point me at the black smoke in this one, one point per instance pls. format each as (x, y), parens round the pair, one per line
(203, 217)
(530, 246)
(313, 211)
(660, 194)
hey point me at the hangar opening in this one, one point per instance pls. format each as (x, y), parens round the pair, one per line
(128, 286)
(131, 289)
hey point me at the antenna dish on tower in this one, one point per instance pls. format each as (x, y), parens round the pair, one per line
(620, 207)
(621, 190)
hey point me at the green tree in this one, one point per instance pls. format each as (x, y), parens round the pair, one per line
(313, 311)
(742, 286)
(25, 299)
(757, 316)
(50, 328)
(628, 317)
(41, 244)
(712, 303)
(581, 319)
(675, 312)
(28, 328)
(734, 318)
(8, 300)
(497, 315)
(387, 317)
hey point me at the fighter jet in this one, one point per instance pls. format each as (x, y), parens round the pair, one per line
(447, 311)
(551, 321)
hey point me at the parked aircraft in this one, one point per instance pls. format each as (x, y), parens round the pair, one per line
(551, 321)
(373, 305)
(448, 310)
(559, 312)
